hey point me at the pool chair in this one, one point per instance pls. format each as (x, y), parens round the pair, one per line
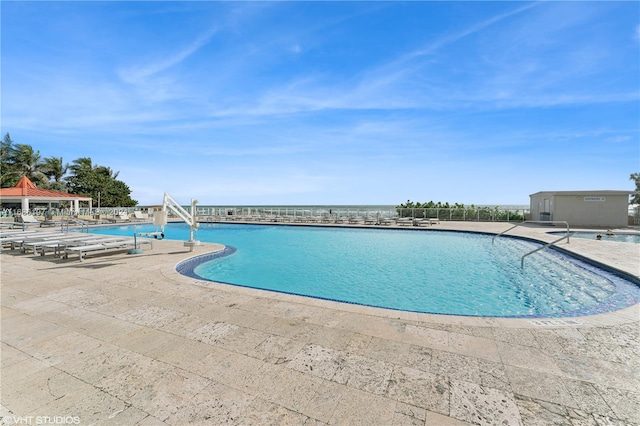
(59, 245)
(138, 216)
(34, 244)
(387, 221)
(12, 232)
(371, 220)
(103, 246)
(356, 220)
(120, 217)
(427, 221)
(404, 221)
(29, 219)
(18, 241)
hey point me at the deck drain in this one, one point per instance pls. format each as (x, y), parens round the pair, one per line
(556, 322)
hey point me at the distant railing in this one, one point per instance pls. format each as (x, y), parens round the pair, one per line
(634, 215)
(475, 214)
(66, 212)
(443, 214)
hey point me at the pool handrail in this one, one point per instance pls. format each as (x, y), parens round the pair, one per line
(552, 222)
(545, 222)
(543, 247)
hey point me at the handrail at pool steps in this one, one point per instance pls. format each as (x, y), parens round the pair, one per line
(68, 222)
(546, 222)
(544, 247)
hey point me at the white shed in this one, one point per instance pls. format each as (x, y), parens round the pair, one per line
(607, 208)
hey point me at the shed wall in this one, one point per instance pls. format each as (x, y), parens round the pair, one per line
(584, 208)
(592, 210)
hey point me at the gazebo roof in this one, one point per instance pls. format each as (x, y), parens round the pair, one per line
(27, 189)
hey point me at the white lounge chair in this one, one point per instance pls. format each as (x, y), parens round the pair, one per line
(370, 220)
(138, 216)
(5, 233)
(36, 243)
(60, 244)
(29, 219)
(387, 221)
(17, 241)
(120, 217)
(118, 245)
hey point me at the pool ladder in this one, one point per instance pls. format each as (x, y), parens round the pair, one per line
(546, 222)
(65, 224)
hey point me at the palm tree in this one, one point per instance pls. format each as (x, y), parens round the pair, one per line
(27, 162)
(635, 197)
(81, 165)
(7, 177)
(6, 146)
(55, 169)
(106, 171)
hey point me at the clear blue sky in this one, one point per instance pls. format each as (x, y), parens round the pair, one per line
(330, 102)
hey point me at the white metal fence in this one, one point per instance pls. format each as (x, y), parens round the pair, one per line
(476, 214)
(445, 214)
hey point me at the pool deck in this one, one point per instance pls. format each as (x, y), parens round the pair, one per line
(125, 340)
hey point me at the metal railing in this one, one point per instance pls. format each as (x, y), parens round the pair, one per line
(475, 214)
(480, 214)
(545, 222)
(71, 222)
(543, 247)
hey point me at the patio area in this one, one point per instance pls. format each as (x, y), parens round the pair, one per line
(126, 340)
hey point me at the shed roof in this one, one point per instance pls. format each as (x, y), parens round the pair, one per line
(582, 192)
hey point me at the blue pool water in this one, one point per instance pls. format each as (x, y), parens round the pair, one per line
(621, 238)
(420, 271)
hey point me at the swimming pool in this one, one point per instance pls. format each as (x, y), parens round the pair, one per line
(420, 271)
(617, 237)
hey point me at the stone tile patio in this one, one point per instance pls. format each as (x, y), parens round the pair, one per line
(126, 340)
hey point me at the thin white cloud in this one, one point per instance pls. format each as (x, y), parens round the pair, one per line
(137, 74)
(452, 38)
(619, 139)
(387, 86)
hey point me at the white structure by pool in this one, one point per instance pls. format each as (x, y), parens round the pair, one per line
(606, 208)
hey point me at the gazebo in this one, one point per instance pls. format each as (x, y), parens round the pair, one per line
(26, 192)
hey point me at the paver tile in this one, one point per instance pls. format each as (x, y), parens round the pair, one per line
(363, 373)
(476, 404)
(318, 361)
(419, 388)
(358, 407)
(216, 403)
(121, 340)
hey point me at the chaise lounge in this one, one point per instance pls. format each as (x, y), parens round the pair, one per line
(117, 245)
(28, 219)
(120, 217)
